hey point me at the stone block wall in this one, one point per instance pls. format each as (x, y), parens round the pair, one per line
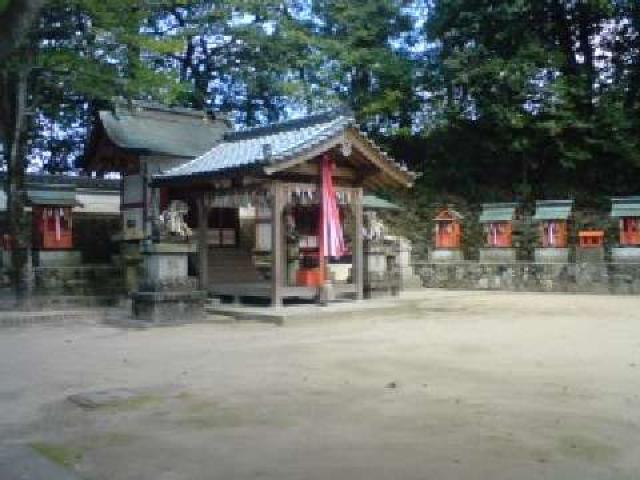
(79, 280)
(534, 277)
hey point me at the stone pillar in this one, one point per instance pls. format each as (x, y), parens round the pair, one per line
(130, 259)
(167, 295)
(590, 254)
(625, 255)
(408, 279)
(445, 255)
(497, 255)
(552, 255)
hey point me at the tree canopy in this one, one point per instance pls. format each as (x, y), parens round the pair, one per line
(492, 99)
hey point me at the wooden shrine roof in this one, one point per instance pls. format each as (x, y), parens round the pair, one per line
(622, 207)
(277, 147)
(553, 210)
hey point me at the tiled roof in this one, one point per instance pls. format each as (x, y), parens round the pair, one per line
(271, 145)
(553, 210)
(266, 145)
(498, 212)
(58, 195)
(449, 214)
(373, 202)
(168, 131)
(75, 180)
(625, 207)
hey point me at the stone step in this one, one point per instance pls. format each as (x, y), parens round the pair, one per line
(58, 317)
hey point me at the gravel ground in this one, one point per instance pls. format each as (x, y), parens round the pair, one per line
(470, 385)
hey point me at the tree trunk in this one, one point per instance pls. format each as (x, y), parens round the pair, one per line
(585, 30)
(14, 123)
(565, 38)
(16, 21)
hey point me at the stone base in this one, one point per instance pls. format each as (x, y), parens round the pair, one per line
(168, 308)
(57, 258)
(625, 255)
(404, 261)
(408, 279)
(590, 255)
(442, 255)
(497, 255)
(166, 263)
(130, 260)
(552, 255)
(375, 262)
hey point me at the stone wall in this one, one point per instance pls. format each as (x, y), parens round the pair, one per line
(79, 280)
(535, 277)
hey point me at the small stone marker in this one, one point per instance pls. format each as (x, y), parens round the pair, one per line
(103, 398)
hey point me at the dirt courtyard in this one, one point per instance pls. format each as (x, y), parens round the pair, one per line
(470, 385)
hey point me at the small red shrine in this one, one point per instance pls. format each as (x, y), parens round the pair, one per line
(448, 229)
(52, 228)
(591, 238)
(627, 211)
(52, 210)
(553, 217)
(497, 220)
(553, 234)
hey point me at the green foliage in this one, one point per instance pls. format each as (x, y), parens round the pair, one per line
(542, 111)
(508, 98)
(369, 75)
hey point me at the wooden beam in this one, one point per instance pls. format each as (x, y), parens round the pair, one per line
(395, 175)
(358, 246)
(313, 170)
(203, 243)
(363, 145)
(277, 257)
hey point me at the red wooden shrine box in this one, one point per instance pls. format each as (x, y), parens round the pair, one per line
(626, 210)
(630, 231)
(499, 234)
(52, 228)
(553, 217)
(553, 234)
(497, 220)
(52, 211)
(591, 238)
(448, 229)
(310, 277)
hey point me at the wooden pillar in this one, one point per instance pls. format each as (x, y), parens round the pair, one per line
(203, 243)
(277, 257)
(358, 245)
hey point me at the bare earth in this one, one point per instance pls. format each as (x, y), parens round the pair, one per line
(469, 386)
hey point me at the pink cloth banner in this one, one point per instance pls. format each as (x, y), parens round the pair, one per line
(331, 235)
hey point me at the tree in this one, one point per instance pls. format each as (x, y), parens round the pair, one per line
(537, 78)
(79, 54)
(372, 76)
(16, 18)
